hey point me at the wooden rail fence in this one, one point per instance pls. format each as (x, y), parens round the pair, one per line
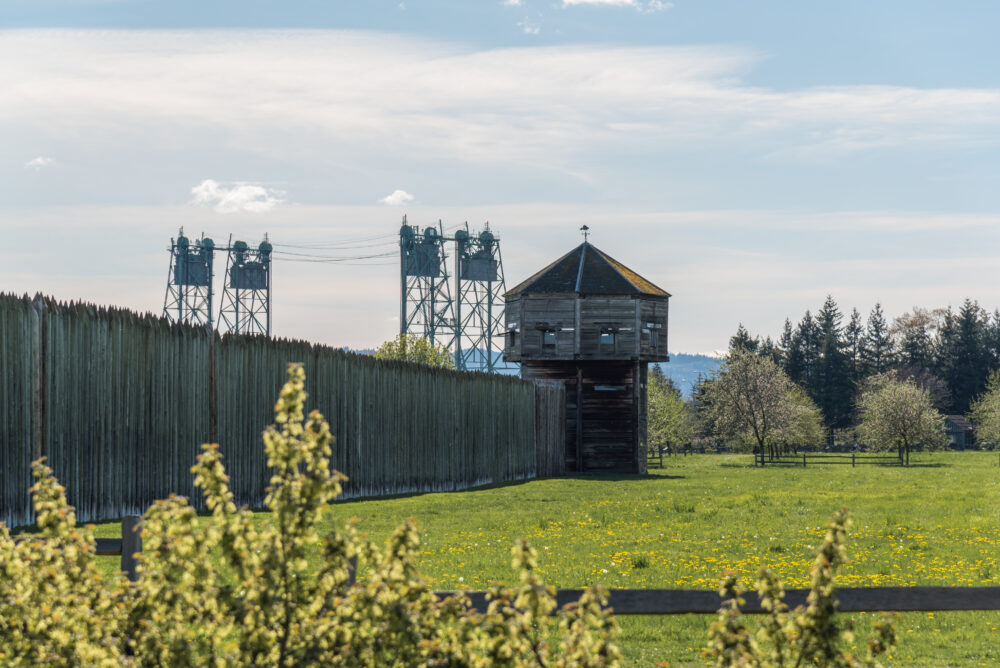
(822, 458)
(120, 403)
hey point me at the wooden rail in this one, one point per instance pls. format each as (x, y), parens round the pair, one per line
(820, 458)
(128, 546)
(850, 599)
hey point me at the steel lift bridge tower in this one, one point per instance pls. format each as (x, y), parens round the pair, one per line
(480, 306)
(189, 281)
(425, 307)
(246, 295)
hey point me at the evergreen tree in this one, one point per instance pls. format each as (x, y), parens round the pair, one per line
(993, 340)
(808, 335)
(785, 342)
(656, 373)
(770, 350)
(743, 341)
(853, 337)
(914, 333)
(962, 355)
(831, 385)
(876, 346)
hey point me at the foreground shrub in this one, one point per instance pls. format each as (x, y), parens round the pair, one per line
(225, 591)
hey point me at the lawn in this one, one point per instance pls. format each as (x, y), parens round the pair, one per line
(935, 523)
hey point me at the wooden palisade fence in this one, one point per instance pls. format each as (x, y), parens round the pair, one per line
(120, 404)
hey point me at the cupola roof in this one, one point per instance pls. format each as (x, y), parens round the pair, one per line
(587, 270)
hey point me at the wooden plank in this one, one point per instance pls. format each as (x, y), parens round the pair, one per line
(867, 599)
(109, 547)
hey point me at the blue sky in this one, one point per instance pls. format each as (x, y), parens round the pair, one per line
(749, 157)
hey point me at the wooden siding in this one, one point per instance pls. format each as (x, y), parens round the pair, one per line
(576, 323)
(603, 409)
(655, 312)
(512, 324)
(615, 313)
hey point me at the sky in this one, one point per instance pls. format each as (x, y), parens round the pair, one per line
(749, 157)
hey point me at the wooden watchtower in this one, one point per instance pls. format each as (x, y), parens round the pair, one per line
(593, 324)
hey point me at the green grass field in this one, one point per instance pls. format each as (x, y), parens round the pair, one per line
(935, 523)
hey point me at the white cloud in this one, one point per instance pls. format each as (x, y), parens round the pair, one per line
(235, 197)
(657, 6)
(613, 3)
(39, 162)
(647, 7)
(261, 91)
(397, 198)
(529, 28)
(512, 3)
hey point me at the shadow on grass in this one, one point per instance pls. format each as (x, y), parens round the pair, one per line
(790, 465)
(616, 477)
(477, 488)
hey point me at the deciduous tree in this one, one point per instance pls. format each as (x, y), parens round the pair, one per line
(415, 348)
(899, 415)
(752, 400)
(985, 411)
(670, 422)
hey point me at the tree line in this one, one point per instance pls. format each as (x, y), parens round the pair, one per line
(825, 375)
(950, 353)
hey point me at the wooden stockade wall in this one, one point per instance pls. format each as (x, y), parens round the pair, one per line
(18, 331)
(550, 428)
(120, 404)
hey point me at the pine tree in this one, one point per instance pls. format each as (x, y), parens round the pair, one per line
(808, 335)
(914, 331)
(962, 354)
(832, 389)
(993, 340)
(876, 346)
(743, 341)
(853, 336)
(768, 349)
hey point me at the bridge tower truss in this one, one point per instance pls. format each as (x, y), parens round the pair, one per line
(189, 281)
(480, 287)
(246, 295)
(425, 306)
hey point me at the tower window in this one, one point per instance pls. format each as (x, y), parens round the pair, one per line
(548, 339)
(607, 336)
(512, 337)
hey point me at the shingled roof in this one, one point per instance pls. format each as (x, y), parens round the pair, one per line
(587, 270)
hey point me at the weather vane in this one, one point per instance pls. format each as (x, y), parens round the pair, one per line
(586, 232)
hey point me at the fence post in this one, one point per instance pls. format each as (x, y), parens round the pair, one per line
(803, 460)
(131, 545)
(352, 570)
(853, 455)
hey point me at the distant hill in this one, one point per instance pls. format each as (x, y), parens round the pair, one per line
(685, 369)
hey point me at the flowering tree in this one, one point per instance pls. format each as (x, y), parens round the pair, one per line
(899, 415)
(985, 411)
(415, 348)
(753, 400)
